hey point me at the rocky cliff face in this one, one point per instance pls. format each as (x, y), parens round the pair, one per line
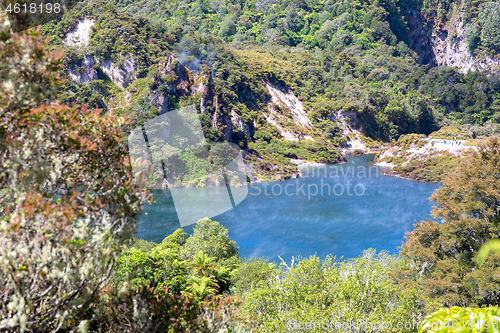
(79, 36)
(173, 80)
(122, 75)
(420, 40)
(446, 45)
(84, 71)
(170, 83)
(283, 108)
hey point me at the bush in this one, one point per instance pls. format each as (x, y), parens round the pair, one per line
(67, 202)
(211, 239)
(443, 254)
(472, 37)
(489, 17)
(312, 291)
(464, 320)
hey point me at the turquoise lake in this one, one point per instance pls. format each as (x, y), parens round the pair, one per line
(339, 209)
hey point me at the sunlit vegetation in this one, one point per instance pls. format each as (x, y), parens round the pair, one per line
(443, 254)
(333, 56)
(431, 169)
(68, 259)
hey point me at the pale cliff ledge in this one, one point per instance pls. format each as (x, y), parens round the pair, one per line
(79, 36)
(122, 75)
(85, 71)
(423, 158)
(420, 149)
(356, 142)
(450, 47)
(285, 108)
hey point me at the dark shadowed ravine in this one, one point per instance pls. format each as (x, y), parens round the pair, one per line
(338, 209)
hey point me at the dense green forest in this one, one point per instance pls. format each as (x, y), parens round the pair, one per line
(333, 55)
(69, 261)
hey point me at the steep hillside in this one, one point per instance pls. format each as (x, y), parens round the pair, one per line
(460, 34)
(257, 111)
(329, 80)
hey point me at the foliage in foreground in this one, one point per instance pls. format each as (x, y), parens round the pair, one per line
(259, 295)
(444, 254)
(190, 275)
(199, 265)
(67, 210)
(67, 204)
(311, 294)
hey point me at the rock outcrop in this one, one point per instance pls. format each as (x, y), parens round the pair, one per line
(84, 71)
(238, 123)
(348, 122)
(122, 75)
(446, 45)
(80, 35)
(284, 109)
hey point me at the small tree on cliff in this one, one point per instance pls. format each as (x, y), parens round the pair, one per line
(444, 254)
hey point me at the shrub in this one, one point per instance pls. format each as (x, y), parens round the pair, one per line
(211, 238)
(328, 292)
(443, 254)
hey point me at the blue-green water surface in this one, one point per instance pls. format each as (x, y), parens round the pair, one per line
(338, 209)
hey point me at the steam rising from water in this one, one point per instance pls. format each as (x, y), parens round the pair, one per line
(287, 226)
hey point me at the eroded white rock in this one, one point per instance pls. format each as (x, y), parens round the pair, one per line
(80, 35)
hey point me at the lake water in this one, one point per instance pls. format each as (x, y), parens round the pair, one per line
(339, 209)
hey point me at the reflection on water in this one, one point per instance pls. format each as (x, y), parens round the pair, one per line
(337, 209)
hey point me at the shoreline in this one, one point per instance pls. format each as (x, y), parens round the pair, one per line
(397, 175)
(300, 164)
(305, 163)
(385, 165)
